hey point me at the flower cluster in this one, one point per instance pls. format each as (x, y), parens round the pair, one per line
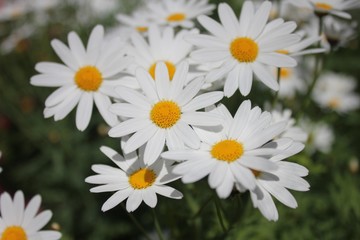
(157, 88)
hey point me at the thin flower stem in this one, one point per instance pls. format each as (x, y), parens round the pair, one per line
(157, 226)
(219, 213)
(207, 201)
(137, 224)
(276, 96)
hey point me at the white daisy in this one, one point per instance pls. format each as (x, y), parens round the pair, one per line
(339, 32)
(292, 131)
(165, 112)
(325, 7)
(10, 10)
(320, 136)
(138, 21)
(229, 155)
(337, 92)
(179, 12)
(135, 180)
(89, 75)
(163, 45)
(244, 46)
(23, 223)
(290, 82)
(287, 176)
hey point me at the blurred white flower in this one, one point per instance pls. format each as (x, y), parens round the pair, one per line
(18, 222)
(290, 82)
(10, 10)
(325, 7)
(138, 21)
(339, 32)
(179, 12)
(133, 180)
(292, 131)
(320, 136)
(15, 37)
(337, 92)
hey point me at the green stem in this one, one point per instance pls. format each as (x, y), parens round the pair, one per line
(157, 226)
(137, 224)
(207, 201)
(219, 213)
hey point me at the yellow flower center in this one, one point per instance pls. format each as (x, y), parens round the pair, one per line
(141, 29)
(88, 78)
(14, 233)
(334, 103)
(283, 51)
(323, 6)
(165, 114)
(285, 73)
(171, 69)
(244, 49)
(142, 178)
(176, 17)
(227, 150)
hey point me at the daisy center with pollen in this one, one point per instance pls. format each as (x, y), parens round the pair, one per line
(334, 103)
(176, 17)
(141, 29)
(171, 70)
(88, 78)
(142, 178)
(14, 233)
(323, 6)
(285, 73)
(227, 150)
(244, 49)
(165, 114)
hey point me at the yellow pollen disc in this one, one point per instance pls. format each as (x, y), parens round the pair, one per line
(283, 51)
(142, 178)
(165, 114)
(323, 6)
(244, 49)
(285, 73)
(14, 233)
(334, 103)
(176, 17)
(171, 69)
(227, 150)
(88, 78)
(256, 172)
(141, 29)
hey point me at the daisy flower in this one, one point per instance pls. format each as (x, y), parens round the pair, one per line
(244, 46)
(290, 82)
(132, 180)
(179, 12)
(292, 131)
(10, 10)
(163, 46)
(276, 183)
(336, 92)
(138, 21)
(229, 156)
(338, 33)
(165, 112)
(88, 76)
(325, 7)
(23, 223)
(320, 136)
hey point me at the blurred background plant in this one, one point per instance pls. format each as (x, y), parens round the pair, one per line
(50, 158)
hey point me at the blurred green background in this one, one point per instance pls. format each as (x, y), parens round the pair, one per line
(52, 159)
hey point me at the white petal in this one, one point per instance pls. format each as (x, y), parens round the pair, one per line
(243, 175)
(45, 80)
(217, 176)
(232, 81)
(280, 193)
(154, 147)
(202, 118)
(240, 119)
(77, 48)
(7, 209)
(258, 163)
(225, 188)
(146, 83)
(149, 197)
(202, 101)
(103, 104)
(167, 191)
(133, 97)
(128, 127)
(19, 207)
(179, 78)
(54, 69)
(187, 135)
(128, 110)
(260, 19)
(116, 199)
(31, 209)
(39, 222)
(84, 111)
(189, 92)
(214, 27)
(162, 80)
(228, 19)
(49, 235)
(265, 76)
(65, 54)
(246, 17)
(59, 95)
(139, 138)
(245, 80)
(65, 107)
(94, 44)
(210, 54)
(277, 60)
(134, 201)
